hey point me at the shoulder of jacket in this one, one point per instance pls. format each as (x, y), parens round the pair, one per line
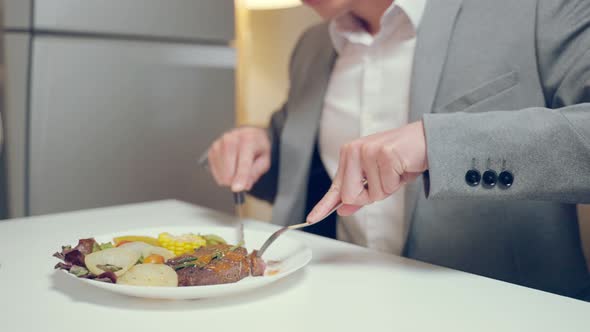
(315, 41)
(318, 33)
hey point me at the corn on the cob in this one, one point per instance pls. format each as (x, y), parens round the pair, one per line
(181, 244)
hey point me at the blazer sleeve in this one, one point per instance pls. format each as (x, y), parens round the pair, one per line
(546, 150)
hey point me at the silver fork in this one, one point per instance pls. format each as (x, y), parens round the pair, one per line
(280, 232)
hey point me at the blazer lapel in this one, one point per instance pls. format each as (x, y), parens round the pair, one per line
(299, 135)
(434, 35)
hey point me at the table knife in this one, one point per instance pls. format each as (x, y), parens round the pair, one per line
(239, 200)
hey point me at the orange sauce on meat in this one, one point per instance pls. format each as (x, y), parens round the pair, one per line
(219, 266)
(233, 256)
(205, 259)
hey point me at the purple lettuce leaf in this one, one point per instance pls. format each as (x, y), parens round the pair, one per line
(86, 246)
(75, 257)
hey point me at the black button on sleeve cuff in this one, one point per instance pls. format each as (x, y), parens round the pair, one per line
(505, 179)
(489, 179)
(472, 178)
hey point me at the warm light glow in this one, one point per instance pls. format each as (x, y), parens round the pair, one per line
(271, 4)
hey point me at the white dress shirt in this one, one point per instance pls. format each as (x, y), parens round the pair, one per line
(369, 92)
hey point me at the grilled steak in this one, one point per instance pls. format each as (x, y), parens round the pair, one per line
(216, 264)
(257, 265)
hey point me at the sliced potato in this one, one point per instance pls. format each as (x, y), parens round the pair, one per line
(145, 249)
(118, 257)
(158, 275)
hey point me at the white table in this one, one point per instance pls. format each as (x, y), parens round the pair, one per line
(345, 288)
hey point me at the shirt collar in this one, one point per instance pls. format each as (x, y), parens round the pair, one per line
(346, 28)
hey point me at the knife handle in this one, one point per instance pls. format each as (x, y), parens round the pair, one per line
(239, 198)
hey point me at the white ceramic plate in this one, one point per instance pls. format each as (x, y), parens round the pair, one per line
(290, 255)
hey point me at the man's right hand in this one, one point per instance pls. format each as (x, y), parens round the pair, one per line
(240, 157)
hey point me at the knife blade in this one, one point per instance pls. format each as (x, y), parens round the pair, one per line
(239, 200)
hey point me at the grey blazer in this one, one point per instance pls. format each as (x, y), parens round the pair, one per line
(499, 84)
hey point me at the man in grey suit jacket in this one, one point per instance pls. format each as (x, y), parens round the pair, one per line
(499, 86)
